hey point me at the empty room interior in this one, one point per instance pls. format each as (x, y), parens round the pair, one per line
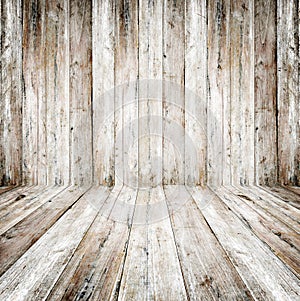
(149, 150)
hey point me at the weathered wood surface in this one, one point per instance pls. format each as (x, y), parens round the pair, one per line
(103, 92)
(11, 93)
(57, 87)
(250, 256)
(265, 92)
(218, 90)
(207, 270)
(16, 212)
(65, 236)
(282, 240)
(195, 92)
(126, 98)
(241, 92)
(150, 93)
(81, 92)
(18, 239)
(173, 92)
(151, 270)
(288, 105)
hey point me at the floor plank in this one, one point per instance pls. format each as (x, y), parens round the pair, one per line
(282, 240)
(265, 275)
(18, 239)
(294, 189)
(279, 209)
(4, 189)
(152, 269)
(11, 215)
(34, 273)
(284, 194)
(208, 272)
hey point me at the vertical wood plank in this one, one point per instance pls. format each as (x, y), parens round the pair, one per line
(218, 106)
(173, 92)
(150, 93)
(242, 92)
(57, 91)
(195, 91)
(265, 92)
(126, 97)
(288, 92)
(11, 93)
(103, 92)
(80, 92)
(33, 104)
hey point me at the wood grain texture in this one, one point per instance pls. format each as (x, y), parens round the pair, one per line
(126, 98)
(173, 92)
(195, 92)
(207, 271)
(57, 91)
(150, 92)
(241, 92)
(11, 93)
(218, 89)
(265, 92)
(103, 92)
(250, 256)
(81, 169)
(288, 105)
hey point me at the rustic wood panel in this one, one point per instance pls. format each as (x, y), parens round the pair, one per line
(265, 92)
(218, 89)
(173, 92)
(126, 97)
(241, 92)
(33, 51)
(57, 91)
(150, 92)
(195, 92)
(103, 91)
(11, 93)
(288, 92)
(81, 171)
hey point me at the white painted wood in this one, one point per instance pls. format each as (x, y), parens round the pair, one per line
(150, 92)
(57, 91)
(126, 101)
(81, 170)
(30, 275)
(173, 92)
(20, 210)
(263, 273)
(103, 92)
(152, 269)
(195, 92)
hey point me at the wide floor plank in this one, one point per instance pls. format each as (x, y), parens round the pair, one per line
(18, 239)
(34, 273)
(265, 275)
(208, 272)
(152, 269)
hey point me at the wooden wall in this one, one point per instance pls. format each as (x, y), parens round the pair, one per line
(145, 92)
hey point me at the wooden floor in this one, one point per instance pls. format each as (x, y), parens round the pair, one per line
(171, 243)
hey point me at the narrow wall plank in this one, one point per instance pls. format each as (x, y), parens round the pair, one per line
(103, 91)
(32, 63)
(150, 92)
(11, 93)
(288, 92)
(265, 92)
(242, 92)
(218, 106)
(173, 92)
(80, 92)
(57, 91)
(126, 97)
(195, 92)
